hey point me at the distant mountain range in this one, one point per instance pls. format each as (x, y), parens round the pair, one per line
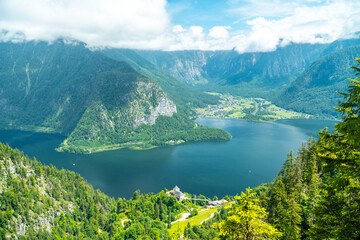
(272, 75)
(245, 74)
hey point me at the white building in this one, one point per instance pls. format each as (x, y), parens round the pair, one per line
(178, 194)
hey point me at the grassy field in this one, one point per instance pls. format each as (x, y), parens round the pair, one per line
(252, 109)
(177, 229)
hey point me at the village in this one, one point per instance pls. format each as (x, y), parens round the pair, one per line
(253, 109)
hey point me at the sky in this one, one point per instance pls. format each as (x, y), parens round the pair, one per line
(243, 25)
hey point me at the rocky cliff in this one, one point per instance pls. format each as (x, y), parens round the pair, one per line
(218, 68)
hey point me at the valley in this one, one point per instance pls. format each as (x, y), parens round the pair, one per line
(251, 109)
(108, 108)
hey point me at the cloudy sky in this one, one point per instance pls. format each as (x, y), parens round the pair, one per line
(246, 25)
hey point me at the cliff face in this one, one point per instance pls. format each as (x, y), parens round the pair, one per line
(229, 67)
(145, 113)
(187, 66)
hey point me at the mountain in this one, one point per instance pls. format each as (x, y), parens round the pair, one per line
(99, 103)
(187, 66)
(300, 77)
(314, 91)
(185, 97)
(341, 44)
(248, 74)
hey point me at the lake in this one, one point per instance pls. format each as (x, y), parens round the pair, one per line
(253, 156)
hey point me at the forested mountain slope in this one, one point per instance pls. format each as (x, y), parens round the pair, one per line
(99, 102)
(314, 91)
(286, 76)
(341, 44)
(42, 202)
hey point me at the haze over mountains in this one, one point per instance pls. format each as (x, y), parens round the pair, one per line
(272, 75)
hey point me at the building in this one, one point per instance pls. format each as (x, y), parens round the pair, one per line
(217, 203)
(178, 194)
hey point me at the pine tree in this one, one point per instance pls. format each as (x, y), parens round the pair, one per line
(157, 211)
(285, 211)
(350, 109)
(169, 221)
(337, 211)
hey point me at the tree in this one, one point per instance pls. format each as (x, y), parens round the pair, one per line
(350, 109)
(136, 195)
(285, 211)
(119, 205)
(247, 220)
(169, 221)
(336, 212)
(157, 211)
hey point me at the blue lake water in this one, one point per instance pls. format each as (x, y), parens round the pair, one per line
(253, 156)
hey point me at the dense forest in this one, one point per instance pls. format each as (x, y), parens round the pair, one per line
(316, 195)
(42, 202)
(314, 91)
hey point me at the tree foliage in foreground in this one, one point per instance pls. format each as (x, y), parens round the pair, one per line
(337, 210)
(247, 220)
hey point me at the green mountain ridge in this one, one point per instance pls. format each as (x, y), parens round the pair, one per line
(98, 102)
(315, 90)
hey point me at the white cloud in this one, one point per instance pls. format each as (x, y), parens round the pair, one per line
(97, 22)
(219, 32)
(146, 23)
(319, 24)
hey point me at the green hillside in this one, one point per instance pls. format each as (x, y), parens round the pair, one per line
(98, 102)
(314, 91)
(42, 202)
